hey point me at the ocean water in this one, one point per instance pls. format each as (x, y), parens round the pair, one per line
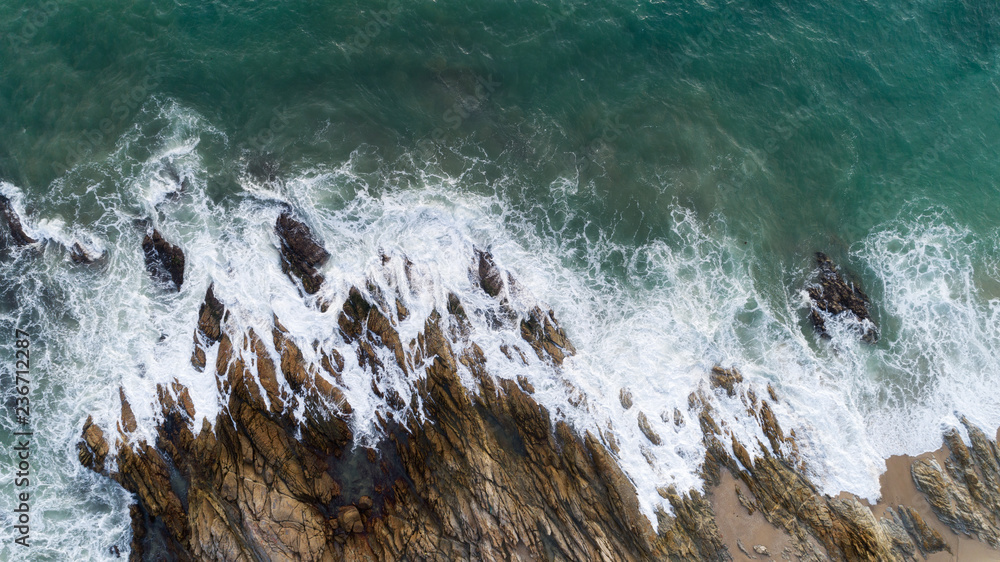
(659, 173)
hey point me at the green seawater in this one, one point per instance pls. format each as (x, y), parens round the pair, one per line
(593, 130)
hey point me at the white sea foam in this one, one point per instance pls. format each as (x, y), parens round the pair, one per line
(680, 306)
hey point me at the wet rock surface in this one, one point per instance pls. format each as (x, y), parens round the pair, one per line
(82, 255)
(17, 234)
(485, 473)
(164, 261)
(210, 317)
(835, 295)
(965, 492)
(821, 527)
(301, 253)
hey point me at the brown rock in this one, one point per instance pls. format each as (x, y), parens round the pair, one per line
(490, 276)
(365, 503)
(17, 233)
(350, 519)
(128, 419)
(210, 316)
(545, 336)
(79, 254)
(725, 378)
(956, 491)
(164, 261)
(647, 430)
(625, 397)
(925, 538)
(301, 254)
(836, 296)
(94, 448)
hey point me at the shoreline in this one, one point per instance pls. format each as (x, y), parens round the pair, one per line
(738, 527)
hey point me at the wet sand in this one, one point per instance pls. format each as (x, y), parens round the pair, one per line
(737, 526)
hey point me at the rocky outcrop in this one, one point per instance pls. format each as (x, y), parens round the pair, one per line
(483, 473)
(164, 261)
(965, 493)
(821, 527)
(491, 278)
(17, 234)
(835, 296)
(209, 332)
(471, 466)
(726, 379)
(301, 254)
(78, 252)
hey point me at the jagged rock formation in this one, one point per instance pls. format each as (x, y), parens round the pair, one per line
(17, 233)
(482, 473)
(209, 331)
(834, 295)
(821, 527)
(301, 254)
(965, 494)
(78, 253)
(164, 261)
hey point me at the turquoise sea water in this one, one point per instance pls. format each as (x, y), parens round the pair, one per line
(661, 173)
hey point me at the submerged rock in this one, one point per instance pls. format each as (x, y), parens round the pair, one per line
(17, 233)
(834, 295)
(301, 254)
(79, 254)
(164, 261)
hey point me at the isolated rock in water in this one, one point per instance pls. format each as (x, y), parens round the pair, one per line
(490, 276)
(171, 175)
(164, 261)
(17, 234)
(209, 330)
(648, 430)
(301, 254)
(79, 254)
(835, 295)
(210, 316)
(493, 281)
(82, 255)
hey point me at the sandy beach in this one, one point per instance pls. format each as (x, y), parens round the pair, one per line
(742, 531)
